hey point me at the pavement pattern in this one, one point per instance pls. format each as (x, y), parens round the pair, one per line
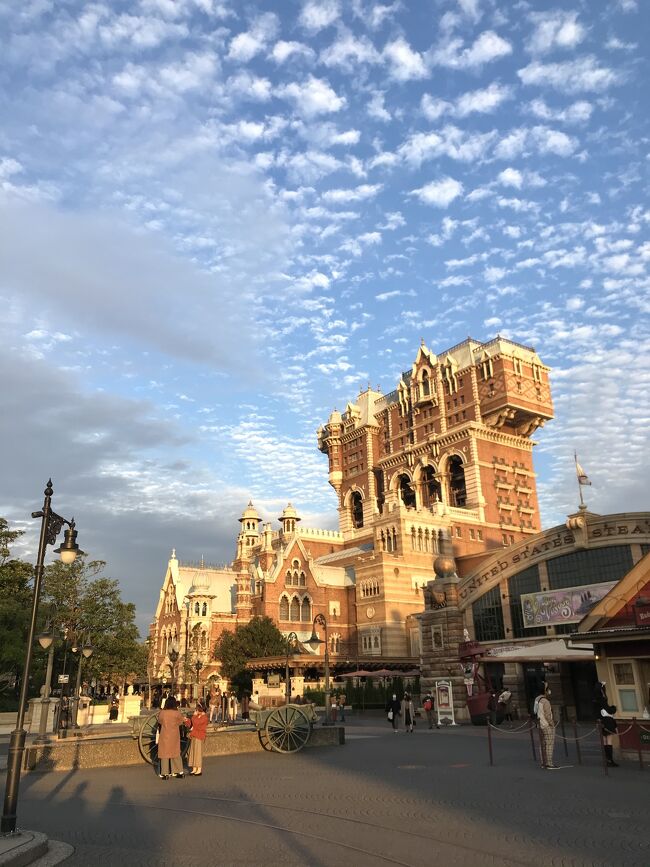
(404, 799)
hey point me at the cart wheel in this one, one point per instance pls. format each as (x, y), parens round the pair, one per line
(287, 729)
(147, 740)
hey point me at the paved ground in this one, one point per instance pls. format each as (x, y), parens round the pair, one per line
(421, 799)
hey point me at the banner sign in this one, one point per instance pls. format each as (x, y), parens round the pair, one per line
(553, 607)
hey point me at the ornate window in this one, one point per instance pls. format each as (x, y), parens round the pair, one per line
(335, 643)
(457, 489)
(294, 609)
(196, 608)
(431, 489)
(305, 610)
(406, 491)
(204, 609)
(284, 608)
(356, 507)
(426, 384)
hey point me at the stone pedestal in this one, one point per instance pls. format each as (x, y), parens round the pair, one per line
(297, 685)
(35, 705)
(129, 706)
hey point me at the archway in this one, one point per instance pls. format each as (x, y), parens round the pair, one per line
(406, 491)
(457, 489)
(356, 509)
(431, 489)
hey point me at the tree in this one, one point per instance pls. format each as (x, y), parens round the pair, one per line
(260, 637)
(89, 606)
(15, 606)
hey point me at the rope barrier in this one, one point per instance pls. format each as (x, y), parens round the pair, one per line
(581, 738)
(643, 728)
(509, 731)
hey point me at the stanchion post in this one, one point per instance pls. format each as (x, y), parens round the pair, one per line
(602, 748)
(532, 738)
(577, 742)
(489, 733)
(566, 746)
(638, 740)
(542, 747)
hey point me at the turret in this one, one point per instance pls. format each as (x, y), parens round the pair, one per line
(288, 520)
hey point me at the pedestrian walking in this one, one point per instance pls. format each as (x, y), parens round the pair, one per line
(224, 707)
(409, 713)
(504, 709)
(214, 702)
(544, 712)
(199, 727)
(429, 709)
(393, 710)
(342, 706)
(170, 719)
(604, 715)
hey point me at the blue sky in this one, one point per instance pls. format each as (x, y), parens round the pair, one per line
(220, 220)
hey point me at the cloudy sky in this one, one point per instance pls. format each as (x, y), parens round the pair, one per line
(221, 219)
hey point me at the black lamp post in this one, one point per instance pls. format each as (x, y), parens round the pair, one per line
(198, 665)
(314, 642)
(46, 640)
(51, 525)
(292, 640)
(173, 658)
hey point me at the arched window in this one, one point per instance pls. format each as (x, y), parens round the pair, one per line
(204, 609)
(284, 608)
(335, 643)
(289, 578)
(294, 611)
(457, 489)
(356, 505)
(406, 491)
(420, 539)
(305, 610)
(431, 490)
(196, 607)
(303, 579)
(426, 384)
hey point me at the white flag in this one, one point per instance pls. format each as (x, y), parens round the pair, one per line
(583, 478)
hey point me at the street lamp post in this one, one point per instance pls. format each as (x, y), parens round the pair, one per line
(173, 658)
(46, 640)
(292, 640)
(198, 665)
(314, 642)
(51, 525)
(85, 652)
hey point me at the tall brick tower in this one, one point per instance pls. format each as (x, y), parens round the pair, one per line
(449, 450)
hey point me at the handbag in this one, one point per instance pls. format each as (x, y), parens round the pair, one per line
(390, 714)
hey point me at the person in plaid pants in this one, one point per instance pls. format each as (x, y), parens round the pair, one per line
(544, 714)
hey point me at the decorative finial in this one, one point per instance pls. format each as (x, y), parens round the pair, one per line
(422, 341)
(173, 553)
(202, 562)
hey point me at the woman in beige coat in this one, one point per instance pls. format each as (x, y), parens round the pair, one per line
(169, 740)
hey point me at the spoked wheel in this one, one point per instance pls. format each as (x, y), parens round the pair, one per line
(147, 740)
(287, 729)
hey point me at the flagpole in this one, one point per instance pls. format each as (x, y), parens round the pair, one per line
(582, 502)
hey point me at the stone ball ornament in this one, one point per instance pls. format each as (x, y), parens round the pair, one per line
(444, 567)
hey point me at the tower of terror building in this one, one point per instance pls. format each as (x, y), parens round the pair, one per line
(441, 464)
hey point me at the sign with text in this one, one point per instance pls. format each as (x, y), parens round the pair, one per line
(553, 607)
(445, 703)
(642, 614)
(64, 678)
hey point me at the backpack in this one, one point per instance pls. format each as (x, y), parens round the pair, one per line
(428, 704)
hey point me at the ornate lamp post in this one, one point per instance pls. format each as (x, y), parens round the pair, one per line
(292, 640)
(46, 640)
(51, 525)
(314, 642)
(198, 665)
(85, 652)
(173, 658)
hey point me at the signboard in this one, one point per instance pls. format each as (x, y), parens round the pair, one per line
(64, 678)
(445, 703)
(273, 680)
(553, 607)
(642, 614)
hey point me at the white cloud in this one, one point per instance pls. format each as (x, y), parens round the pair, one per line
(250, 87)
(488, 46)
(245, 46)
(471, 9)
(511, 178)
(312, 97)
(481, 101)
(570, 76)
(439, 193)
(494, 274)
(347, 51)
(577, 112)
(376, 107)
(405, 64)
(315, 15)
(541, 139)
(556, 29)
(450, 141)
(284, 50)
(349, 137)
(358, 194)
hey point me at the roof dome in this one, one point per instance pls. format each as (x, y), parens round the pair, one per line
(336, 417)
(200, 582)
(289, 512)
(250, 513)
